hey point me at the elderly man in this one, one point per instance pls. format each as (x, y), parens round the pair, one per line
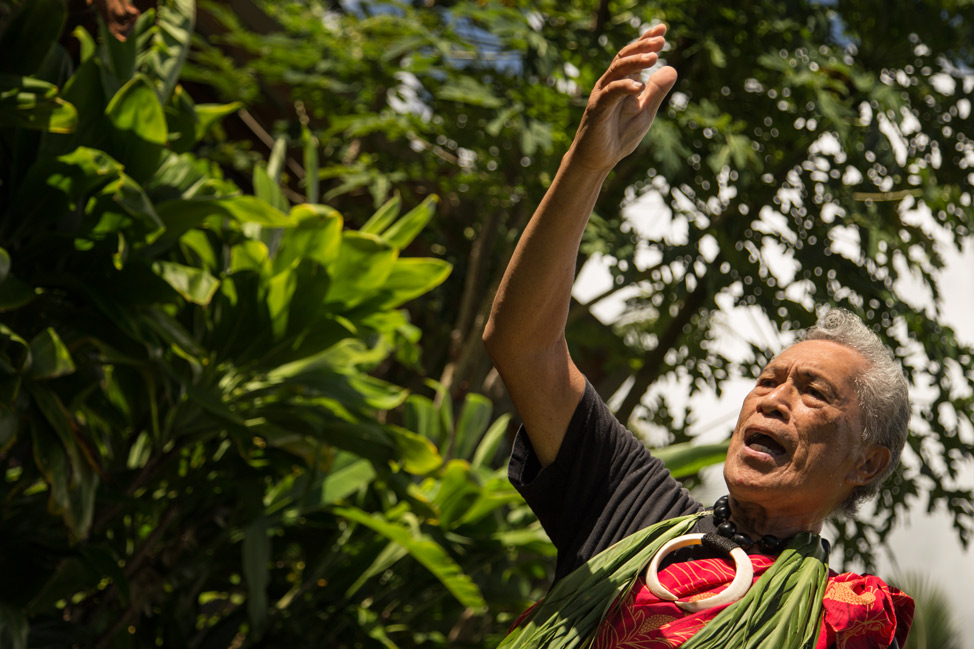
(640, 562)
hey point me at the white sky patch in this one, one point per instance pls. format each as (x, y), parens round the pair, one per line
(909, 124)
(405, 97)
(890, 130)
(466, 158)
(963, 108)
(943, 83)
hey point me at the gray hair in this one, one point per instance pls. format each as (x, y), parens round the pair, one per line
(884, 399)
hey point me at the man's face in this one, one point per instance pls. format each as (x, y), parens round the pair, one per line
(797, 448)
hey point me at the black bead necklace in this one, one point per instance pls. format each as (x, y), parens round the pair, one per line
(769, 543)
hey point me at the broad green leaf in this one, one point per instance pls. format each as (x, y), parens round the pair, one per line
(377, 393)
(49, 356)
(421, 416)
(425, 550)
(364, 263)
(472, 422)
(170, 43)
(418, 454)
(86, 44)
(15, 294)
(344, 482)
(182, 215)
(250, 255)
(28, 35)
(390, 554)
(411, 277)
(401, 233)
(686, 459)
(34, 104)
(256, 571)
(317, 236)
(209, 114)
(280, 290)
(139, 128)
(383, 217)
(490, 442)
(195, 284)
(457, 491)
(267, 189)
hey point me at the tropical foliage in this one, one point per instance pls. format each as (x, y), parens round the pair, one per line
(243, 399)
(195, 449)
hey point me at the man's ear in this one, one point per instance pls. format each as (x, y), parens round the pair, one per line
(872, 463)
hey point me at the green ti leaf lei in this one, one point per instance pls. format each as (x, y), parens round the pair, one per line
(783, 610)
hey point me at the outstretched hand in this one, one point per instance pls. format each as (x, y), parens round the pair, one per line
(621, 107)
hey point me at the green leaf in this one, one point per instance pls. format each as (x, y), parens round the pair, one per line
(346, 481)
(170, 43)
(490, 442)
(457, 492)
(184, 214)
(275, 163)
(421, 416)
(33, 104)
(49, 356)
(363, 265)
(309, 145)
(418, 454)
(411, 277)
(209, 114)
(29, 34)
(139, 126)
(401, 233)
(196, 285)
(317, 236)
(472, 422)
(687, 459)
(256, 571)
(425, 550)
(266, 188)
(383, 217)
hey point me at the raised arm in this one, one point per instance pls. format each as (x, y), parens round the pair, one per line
(525, 335)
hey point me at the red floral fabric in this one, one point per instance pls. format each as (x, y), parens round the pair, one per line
(860, 611)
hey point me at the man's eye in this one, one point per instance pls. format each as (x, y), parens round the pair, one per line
(766, 382)
(816, 393)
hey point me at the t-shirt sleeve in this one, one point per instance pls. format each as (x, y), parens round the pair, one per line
(603, 485)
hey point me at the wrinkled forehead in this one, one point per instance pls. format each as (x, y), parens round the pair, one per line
(829, 360)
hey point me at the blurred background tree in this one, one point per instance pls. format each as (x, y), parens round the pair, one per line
(244, 399)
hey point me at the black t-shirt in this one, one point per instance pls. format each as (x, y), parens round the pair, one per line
(603, 486)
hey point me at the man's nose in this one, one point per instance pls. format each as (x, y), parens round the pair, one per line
(777, 403)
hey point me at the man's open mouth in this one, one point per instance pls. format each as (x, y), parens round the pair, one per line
(765, 444)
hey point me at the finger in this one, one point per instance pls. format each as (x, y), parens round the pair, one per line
(615, 92)
(658, 29)
(629, 66)
(642, 45)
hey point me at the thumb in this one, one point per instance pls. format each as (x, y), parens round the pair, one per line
(657, 87)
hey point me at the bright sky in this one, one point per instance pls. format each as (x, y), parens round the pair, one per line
(921, 542)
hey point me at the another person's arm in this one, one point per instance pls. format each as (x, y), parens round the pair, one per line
(525, 335)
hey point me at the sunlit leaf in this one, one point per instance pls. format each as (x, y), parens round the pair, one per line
(50, 357)
(422, 548)
(194, 284)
